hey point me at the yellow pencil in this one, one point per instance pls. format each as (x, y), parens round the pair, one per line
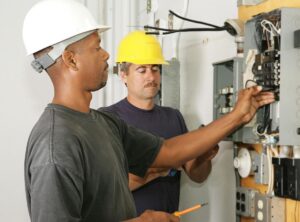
(180, 213)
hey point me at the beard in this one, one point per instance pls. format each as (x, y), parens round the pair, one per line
(103, 84)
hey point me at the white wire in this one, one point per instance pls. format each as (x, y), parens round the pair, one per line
(271, 170)
(272, 29)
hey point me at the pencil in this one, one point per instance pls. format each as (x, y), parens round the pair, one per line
(180, 213)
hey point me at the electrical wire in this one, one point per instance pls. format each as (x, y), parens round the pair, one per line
(170, 31)
(271, 171)
(266, 121)
(195, 21)
(195, 30)
(250, 80)
(271, 27)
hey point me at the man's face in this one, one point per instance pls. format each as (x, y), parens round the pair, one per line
(143, 81)
(93, 63)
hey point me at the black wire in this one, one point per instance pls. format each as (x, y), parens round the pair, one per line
(266, 121)
(195, 21)
(170, 31)
(152, 33)
(195, 30)
(156, 28)
(249, 80)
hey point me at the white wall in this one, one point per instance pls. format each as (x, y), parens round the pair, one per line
(24, 94)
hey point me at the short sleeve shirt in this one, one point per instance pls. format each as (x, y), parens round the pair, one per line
(76, 166)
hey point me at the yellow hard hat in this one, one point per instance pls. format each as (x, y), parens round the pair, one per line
(139, 48)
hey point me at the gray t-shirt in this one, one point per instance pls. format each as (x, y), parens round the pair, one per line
(77, 164)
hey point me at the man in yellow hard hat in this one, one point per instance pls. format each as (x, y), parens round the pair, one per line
(78, 159)
(140, 57)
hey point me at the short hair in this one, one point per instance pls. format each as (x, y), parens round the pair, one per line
(124, 66)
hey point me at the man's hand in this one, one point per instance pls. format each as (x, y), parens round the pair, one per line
(249, 100)
(158, 216)
(154, 216)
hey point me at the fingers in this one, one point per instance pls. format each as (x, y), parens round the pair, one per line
(264, 98)
(251, 91)
(174, 218)
(158, 216)
(261, 98)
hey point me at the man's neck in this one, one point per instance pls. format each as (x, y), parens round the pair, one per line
(145, 104)
(76, 101)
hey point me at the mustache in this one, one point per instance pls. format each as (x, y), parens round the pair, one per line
(150, 84)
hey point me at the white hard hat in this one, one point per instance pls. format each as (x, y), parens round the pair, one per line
(56, 23)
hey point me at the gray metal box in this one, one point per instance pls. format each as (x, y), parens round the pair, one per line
(227, 77)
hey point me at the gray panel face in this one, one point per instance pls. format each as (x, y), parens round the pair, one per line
(290, 79)
(223, 80)
(227, 74)
(170, 84)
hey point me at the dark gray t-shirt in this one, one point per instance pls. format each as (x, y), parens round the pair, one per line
(76, 166)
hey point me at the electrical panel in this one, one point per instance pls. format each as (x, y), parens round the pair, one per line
(269, 40)
(271, 59)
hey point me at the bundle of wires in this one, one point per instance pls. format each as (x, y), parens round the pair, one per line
(170, 31)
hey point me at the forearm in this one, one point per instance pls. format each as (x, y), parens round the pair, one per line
(199, 171)
(136, 182)
(178, 150)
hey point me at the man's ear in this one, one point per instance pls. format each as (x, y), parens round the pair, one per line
(123, 76)
(69, 60)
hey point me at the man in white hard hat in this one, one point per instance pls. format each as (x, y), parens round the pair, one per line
(77, 159)
(139, 58)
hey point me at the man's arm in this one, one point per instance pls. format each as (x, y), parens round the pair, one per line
(199, 169)
(178, 150)
(56, 194)
(136, 182)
